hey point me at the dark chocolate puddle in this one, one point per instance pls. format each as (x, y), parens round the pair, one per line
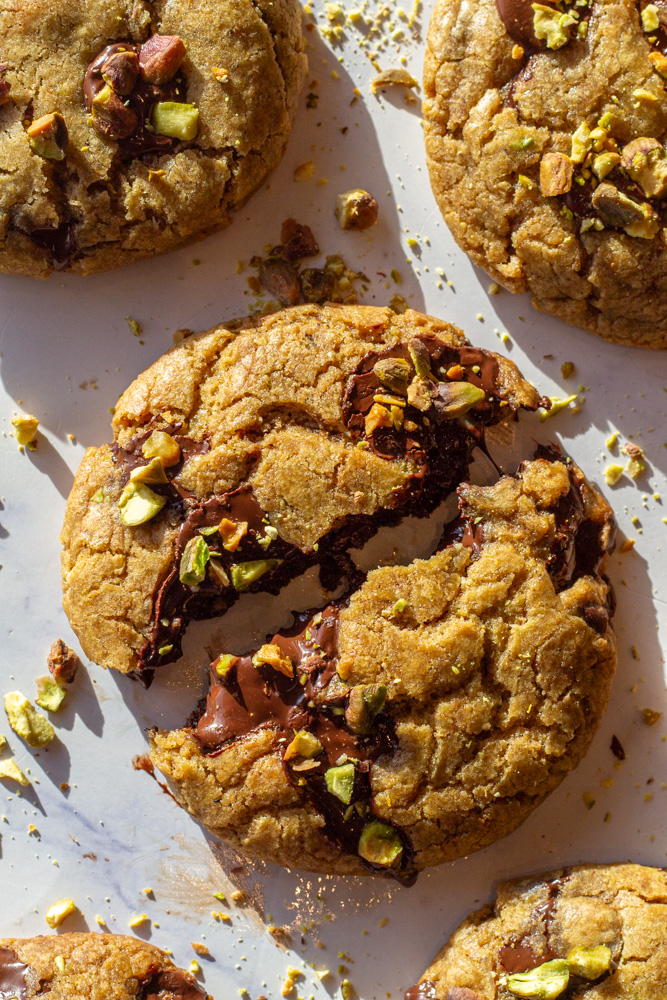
(13, 972)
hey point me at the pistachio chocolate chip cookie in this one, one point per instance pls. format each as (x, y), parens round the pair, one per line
(130, 128)
(425, 715)
(546, 126)
(91, 966)
(587, 931)
(256, 449)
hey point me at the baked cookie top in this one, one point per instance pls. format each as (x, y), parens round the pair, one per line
(94, 966)
(545, 132)
(253, 450)
(427, 714)
(588, 931)
(129, 128)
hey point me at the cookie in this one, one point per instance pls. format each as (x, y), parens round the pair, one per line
(428, 713)
(545, 132)
(587, 931)
(128, 129)
(91, 965)
(251, 451)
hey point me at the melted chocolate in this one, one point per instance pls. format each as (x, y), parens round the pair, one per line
(12, 976)
(428, 990)
(517, 16)
(172, 984)
(59, 241)
(250, 697)
(520, 956)
(141, 100)
(617, 748)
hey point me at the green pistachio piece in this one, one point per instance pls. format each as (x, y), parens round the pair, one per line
(551, 26)
(581, 143)
(25, 429)
(589, 963)
(151, 473)
(179, 121)
(3, 742)
(49, 694)
(364, 703)
(545, 982)
(394, 373)
(380, 844)
(304, 744)
(163, 650)
(421, 359)
(162, 445)
(26, 722)
(650, 18)
(224, 664)
(244, 574)
(10, 770)
(340, 782)
(139, 504)
(193, 562)
(48, 137)
(456, 398)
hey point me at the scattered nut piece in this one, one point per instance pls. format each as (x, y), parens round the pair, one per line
(556, 173)
(48, 136)
(645, 161)
(121, 72)
(244, 574)
(10, 771)
(192, 568)
(364, 703)
(567, 369)
(26, 722)
(420, 393)
(616, 209)
(62, 662)
(137, 920)
(160, 58)
(649, 717)
(551, 26)
(178, 121)
(453, 399)
(110, 116)
(613, 473)
(162, 445)
(139, 504)
(152, 473)
(393, 78)
(59, 912)
(220, 74)
(356, 209)
(200, 948)
(217, 572)
(604, 163)
(581, 143)
(231, 533)
(380, 844)
(589, 963)
(377, 416)
(636, 466)
(659, 63)
(557, 404)
(273, 656)
(304, 744)
(394, 373)
(305, 171)
(25, 430)
(50, 695)
(317, 284)
(545, 982)
(650, 18)
(281, 280)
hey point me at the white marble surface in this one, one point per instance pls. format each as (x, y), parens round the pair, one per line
(67, 353)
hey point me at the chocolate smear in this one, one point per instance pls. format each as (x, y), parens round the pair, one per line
(172, 984)
(13, 983)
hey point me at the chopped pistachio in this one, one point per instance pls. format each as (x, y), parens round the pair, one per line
(50, 695)
(151, 473)
(10, 771)
(556, 173)
(421, 358)
(139, 504)
(196, 554)
(659, 63)
(613, 473)
(224, 664)
(48, 136)
(162, 445)
(231, 533)
(59, 912)
(340, 782)
(557, 404)
(356, 209)
(271, 654)
(377, 416)
(304, 744)
(456, 398)
(364, 703)
(380, 844)
(179, 121)
(567, 369)
(649, 717)
(589, 963)
(650, 18)
(394, 77)
(521, 142)
(581, 143)
(216, 571)
(604, 163)
(244, 574)
(3, 742)
(420, 393)
(551, 26)
(394, 373)
(545, 982)
(26, 722)
(25, 429)
(612, 440)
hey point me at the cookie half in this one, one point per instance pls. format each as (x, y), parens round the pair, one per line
(545, 132)
(71, 966)
(428, 713)
(128, 129)
(587, 931)
(254, 450)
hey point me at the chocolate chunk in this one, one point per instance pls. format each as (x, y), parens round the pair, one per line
(5, 86)
(597, 618)
(172, 984)
(59, 241)
(13, 983)
(280, 280)
(617, 748)
(298, 242)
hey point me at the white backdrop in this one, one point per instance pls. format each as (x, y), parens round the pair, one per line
(67, 352)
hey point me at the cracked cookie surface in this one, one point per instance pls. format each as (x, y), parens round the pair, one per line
(75, 198)
(94, 966)
(283, 449)
(614, 915)
(515, 190)
(442, 700)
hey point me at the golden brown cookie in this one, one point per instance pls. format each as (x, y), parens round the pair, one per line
(128, 129)
(94, 967)
(545, 132)
(428, 713)
(256, 449)
(587, 931)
